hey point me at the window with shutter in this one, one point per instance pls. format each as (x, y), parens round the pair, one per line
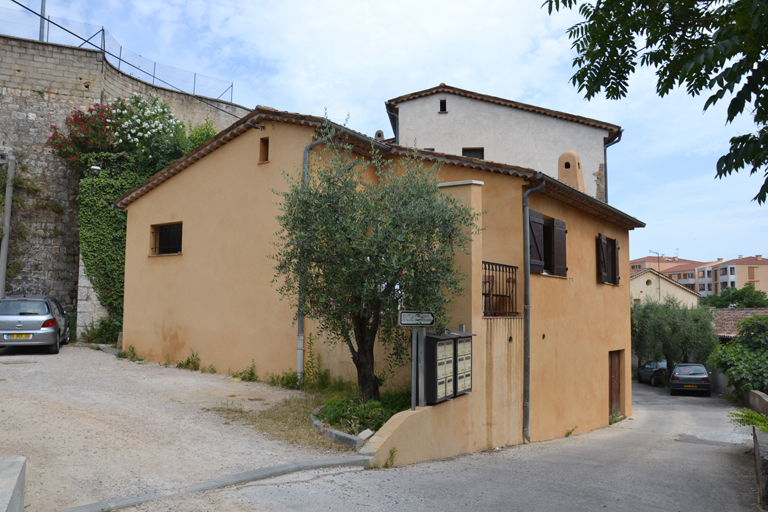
(607, 259)
(548, 245)
(537, 242)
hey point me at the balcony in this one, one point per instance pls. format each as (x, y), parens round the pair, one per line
(499, 289)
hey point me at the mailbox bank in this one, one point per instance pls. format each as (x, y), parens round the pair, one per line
(447, 365)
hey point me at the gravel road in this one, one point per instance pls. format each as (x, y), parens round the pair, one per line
(94, 427)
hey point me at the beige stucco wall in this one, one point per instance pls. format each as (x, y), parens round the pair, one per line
(217, 298)
(761, 276)
(647, 285)
(509, 135)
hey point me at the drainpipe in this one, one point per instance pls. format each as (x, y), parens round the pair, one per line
(527, 310)
(605, 160)
(300, 316)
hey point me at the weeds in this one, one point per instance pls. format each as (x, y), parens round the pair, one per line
(192, 362)
(748, 417)
(351, 415)
(129, 354)
(570, 431)
(287, 380)
(616, 417)
(249, 374)
(167, 362)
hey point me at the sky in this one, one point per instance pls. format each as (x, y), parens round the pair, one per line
(349, 57)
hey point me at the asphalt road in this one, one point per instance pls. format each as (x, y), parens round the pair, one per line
(675, 454)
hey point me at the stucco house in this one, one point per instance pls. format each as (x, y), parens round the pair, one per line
(460, 122)
(198, 277)
(648, 284)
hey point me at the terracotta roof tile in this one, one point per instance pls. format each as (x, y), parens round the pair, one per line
(687, 267)
(725, 320)
(749, 260)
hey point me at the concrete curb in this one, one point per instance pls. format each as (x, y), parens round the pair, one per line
(13, 469)
(761, 466)
(342, 437)
(226, 481)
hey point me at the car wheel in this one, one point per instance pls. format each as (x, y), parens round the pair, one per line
(653, 381)
(67, 336)
(54, 349)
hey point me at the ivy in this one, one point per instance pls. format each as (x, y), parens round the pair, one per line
(129, 140)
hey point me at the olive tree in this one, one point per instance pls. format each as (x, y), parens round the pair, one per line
(361, 237)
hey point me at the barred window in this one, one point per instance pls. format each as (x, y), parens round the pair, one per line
(166, 239)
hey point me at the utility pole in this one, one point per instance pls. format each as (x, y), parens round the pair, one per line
(658, 267)
(7, 223)
(42, 21)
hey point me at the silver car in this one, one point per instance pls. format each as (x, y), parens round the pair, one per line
(33, 321)
(690, 377)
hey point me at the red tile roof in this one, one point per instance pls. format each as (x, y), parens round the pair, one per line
(749, 260)
(726, 320)
(685, 267)
(639, 273)
(663, 258)
(442, 88)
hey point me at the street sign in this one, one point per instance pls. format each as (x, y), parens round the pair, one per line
(416, 318)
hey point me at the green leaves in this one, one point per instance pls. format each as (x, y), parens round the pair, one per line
(746, 297)
(745, 358)
(702, 45)
(365, 237)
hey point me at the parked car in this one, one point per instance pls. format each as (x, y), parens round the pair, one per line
(690, 377)
(651, 372)
(33, 321)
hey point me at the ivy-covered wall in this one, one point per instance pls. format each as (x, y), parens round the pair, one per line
(41, 84)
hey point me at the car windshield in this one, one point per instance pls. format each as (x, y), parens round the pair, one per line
(23, 307)
(691, 370)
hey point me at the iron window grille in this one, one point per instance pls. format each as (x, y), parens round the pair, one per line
(166, 239)
(499, 289)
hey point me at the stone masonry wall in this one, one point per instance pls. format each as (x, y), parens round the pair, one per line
(40, 85)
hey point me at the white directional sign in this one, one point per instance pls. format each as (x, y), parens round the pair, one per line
(416, 318)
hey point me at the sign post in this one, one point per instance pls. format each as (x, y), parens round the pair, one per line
(419, 321)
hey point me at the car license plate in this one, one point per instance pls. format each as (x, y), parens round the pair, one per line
(690, 386)
(18, 336)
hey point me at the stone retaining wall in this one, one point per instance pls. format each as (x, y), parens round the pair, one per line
(40, 85)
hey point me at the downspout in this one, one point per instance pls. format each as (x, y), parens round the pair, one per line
(300, 315)
(605, 160)
(527, 310)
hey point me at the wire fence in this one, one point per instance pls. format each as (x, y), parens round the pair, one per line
(27, 25)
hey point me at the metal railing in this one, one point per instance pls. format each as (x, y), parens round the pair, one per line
(499, 289)
(26, 24)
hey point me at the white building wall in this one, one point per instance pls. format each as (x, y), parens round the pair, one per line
(508, 135)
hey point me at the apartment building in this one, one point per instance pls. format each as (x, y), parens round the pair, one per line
(658, 263)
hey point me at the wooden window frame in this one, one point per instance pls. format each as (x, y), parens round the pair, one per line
(548, 245)
(607, 260)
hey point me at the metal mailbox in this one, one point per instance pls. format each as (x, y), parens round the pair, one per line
(445, 373)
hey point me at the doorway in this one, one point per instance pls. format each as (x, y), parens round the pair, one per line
(614, 384)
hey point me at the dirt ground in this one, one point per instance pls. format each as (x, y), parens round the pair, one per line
(94, 427)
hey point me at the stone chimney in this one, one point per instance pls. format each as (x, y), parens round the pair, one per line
(721, 259)
(569, 170)
(759, 257)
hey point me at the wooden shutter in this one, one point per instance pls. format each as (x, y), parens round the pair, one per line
(602, 253)
(615, 277)
(536, 224)
(561, 268)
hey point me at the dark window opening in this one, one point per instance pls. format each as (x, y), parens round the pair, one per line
(166, 239)
(567, 165)
(443, 106)
(499, 289)
(607, 260)
(473, 153)
(547, 245)
(264, 150)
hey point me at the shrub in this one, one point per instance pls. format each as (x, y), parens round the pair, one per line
(249, 374)
(192, 362)
(352, 415)
(748, 417)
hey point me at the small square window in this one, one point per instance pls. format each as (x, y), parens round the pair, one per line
(701, 287)
(443, 105)
(709, 287)
(733, 284)
(264, 150)
(166, 239)
(473, 153)
(733, 271)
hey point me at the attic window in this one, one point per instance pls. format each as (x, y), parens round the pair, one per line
(608, 260)
(473, 152)
(264, 150)
(443, 106)
(567, 165)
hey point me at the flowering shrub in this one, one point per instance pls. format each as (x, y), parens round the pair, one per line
(89, 132)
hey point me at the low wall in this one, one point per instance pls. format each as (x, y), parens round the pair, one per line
(12, 473)
(756, 401)
(761, 466)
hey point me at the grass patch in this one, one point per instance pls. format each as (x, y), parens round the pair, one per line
(287, 421)
(747, 417)
(616, 417)
(351, 415)
(249, 374)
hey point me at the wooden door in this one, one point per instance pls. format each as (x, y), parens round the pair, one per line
(614, 394)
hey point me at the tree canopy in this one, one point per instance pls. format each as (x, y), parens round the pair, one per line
(746, 297)
(362, 238)
(668, 330)
(745, 358)
(717, 47)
